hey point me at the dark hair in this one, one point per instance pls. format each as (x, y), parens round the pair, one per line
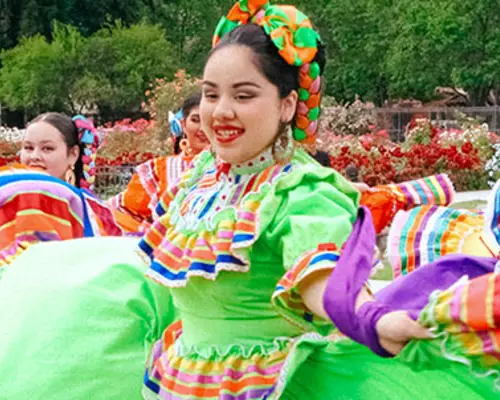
(277, 71)
(191, 102)
(67, 129)
(352, 173)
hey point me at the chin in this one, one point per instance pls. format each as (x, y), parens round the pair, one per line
(229, 155)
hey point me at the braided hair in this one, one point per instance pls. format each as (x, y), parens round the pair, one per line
(78, 131)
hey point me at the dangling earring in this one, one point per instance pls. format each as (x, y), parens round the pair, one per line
(70, 176)
(185, 147)
(284, 146)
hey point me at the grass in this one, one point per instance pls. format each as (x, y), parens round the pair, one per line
(470, 205)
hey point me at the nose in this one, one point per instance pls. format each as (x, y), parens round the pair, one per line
(36, 154)
(224, 110)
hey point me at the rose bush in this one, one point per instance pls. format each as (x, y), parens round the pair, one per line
(463, 154)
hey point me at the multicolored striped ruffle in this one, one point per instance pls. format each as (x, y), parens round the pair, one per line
(421, 235)
(134, 207)
(208, 227)
(286, 297)
(435, 189)
(160, 173)
(36, 207)
(236, 375)
(467, 319)
(386, 200)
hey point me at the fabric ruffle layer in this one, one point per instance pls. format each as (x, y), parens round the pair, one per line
(35, 207)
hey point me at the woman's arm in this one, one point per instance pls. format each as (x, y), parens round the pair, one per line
(394, 329)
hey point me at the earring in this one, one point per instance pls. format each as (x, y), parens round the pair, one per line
(185, 147)
(70, 176)
(284, 146)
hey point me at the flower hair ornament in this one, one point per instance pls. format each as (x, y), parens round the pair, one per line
(90, 140)
(175, 123)
(292, 33)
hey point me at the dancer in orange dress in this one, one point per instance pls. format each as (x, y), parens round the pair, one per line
(134, 207)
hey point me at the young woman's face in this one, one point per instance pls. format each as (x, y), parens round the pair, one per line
(241, 111)
(44, 148)
(191, 126)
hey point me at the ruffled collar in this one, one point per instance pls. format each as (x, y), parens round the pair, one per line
(252, 166)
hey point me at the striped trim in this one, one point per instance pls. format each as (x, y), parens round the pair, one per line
(159, 174)
(467, 319)
(233, 376)
(286, 297)
(435, 189)
(492, 217)
(35, 207)
(202, 244)
(423, 234)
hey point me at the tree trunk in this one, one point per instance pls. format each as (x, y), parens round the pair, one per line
(479, 96)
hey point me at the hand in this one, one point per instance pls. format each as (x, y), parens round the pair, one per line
(396, 329)
(362, 187)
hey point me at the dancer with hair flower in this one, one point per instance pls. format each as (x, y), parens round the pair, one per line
(134, 207)
(48, 197)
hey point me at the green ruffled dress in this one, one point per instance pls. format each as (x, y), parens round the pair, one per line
(232, 243)
(77, 321)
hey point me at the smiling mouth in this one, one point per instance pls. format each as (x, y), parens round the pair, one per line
(226, 135)
(201, 136)
(37, 166)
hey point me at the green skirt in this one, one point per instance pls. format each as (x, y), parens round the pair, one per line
(345, 370)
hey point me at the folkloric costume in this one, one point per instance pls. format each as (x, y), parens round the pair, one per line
(233, 243)
(134, 207)
(36, 207)
(422, 235)
(75, 299)
(385, 201)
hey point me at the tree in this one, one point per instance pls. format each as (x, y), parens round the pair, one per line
(22, 18)
(356, 36)
(38, 75)
(189, 25)
(109, 72)
(125, 61)
(444, 42)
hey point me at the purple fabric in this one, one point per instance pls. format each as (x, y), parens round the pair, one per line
(345, 283)
(410, 292)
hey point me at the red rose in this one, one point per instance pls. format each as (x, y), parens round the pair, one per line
(396, 152)
(467, 147)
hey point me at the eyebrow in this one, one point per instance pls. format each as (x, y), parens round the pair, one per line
(41, 142)
(235, 86)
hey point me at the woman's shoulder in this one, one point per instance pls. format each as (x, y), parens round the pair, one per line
(306, 175)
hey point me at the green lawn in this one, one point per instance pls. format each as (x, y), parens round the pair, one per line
(470, 205)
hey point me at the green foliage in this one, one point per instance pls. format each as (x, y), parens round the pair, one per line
(38, 75)
(441, 43)
(189, 25)
(125, 61)
(108, 71)
(23, 18)
(376, 49)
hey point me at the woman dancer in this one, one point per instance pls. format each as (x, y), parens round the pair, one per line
(65, 148)
(49, 197)
(134, 207)
(247, 240)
